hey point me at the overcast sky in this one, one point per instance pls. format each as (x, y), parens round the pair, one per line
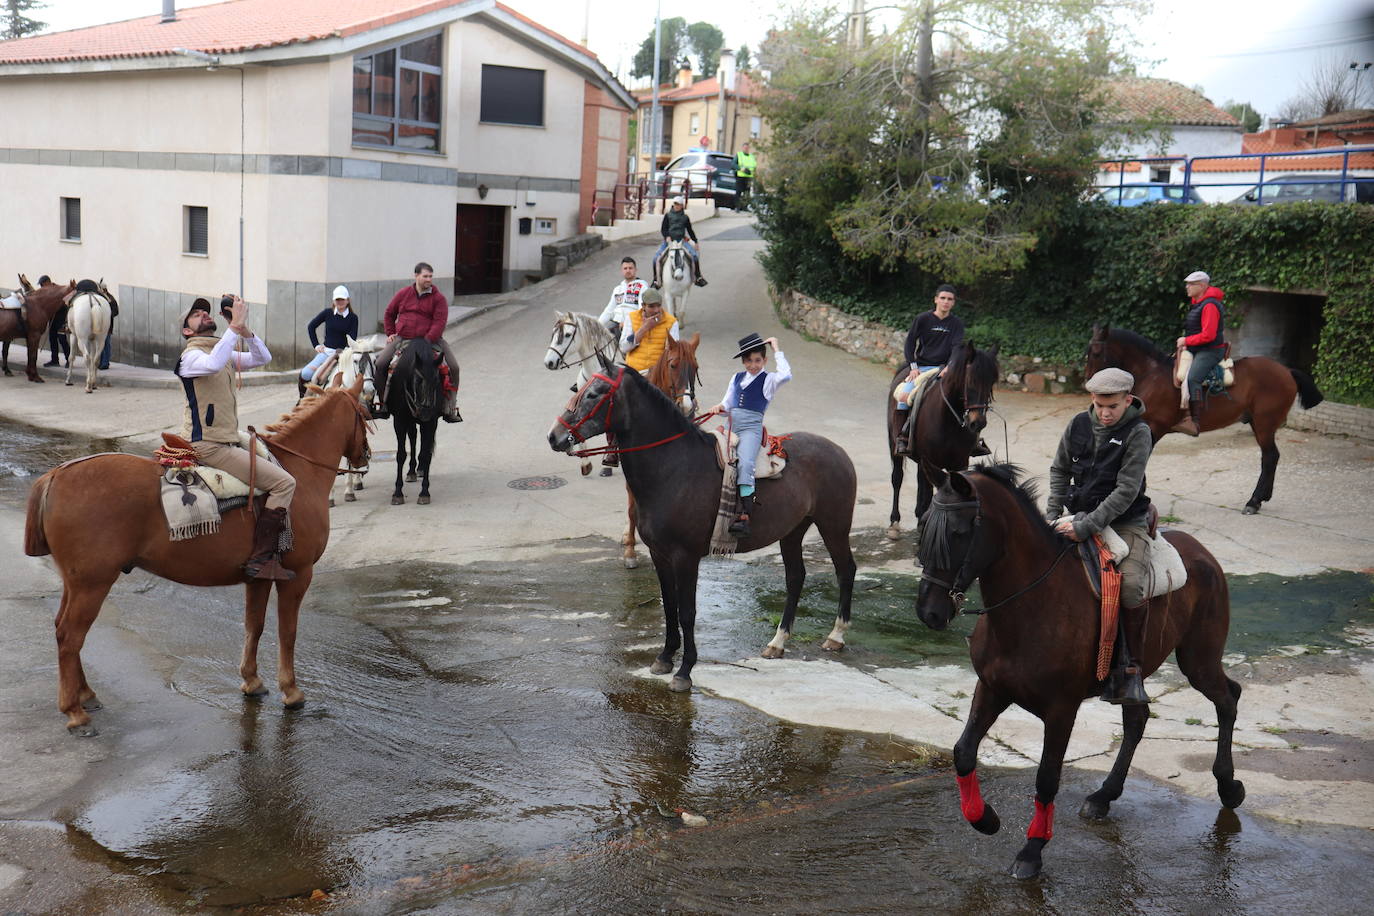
(1259, 51)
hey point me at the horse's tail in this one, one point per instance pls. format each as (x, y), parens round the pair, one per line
(1308, 394)
(35, 539)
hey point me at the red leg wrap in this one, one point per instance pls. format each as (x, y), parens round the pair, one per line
(1042, 825)
(970, 798)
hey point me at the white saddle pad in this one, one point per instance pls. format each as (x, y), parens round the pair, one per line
(1167, 571)
(765, 466)
(225, 485)
(12, 301)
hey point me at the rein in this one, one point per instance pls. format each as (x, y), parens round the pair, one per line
(274, 445)
(574, 429)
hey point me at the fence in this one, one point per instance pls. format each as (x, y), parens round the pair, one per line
(1343, 186)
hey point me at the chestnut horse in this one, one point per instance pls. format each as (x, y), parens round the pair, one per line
(952, 416)
(103, 515)
(41, 305)
(1036, 643)
(671, 468)
(1262, 395)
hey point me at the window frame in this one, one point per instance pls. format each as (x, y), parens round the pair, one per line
(64, 219)
(394, 121)
(187, 211)
(543, 98)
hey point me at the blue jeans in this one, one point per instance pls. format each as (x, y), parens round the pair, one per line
(748, 425)
(105, 353)
(311, 367)
(686, 243)
(1205, 359)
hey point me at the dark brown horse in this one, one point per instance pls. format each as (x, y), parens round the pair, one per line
(950, 419)
(103, 515)
(1036, 644)
(671, 468)
(41, 305)
(1262, 395)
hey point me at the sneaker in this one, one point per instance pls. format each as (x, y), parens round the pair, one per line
(606, 472)
(51, 362)
(453, 417)
(700, 281)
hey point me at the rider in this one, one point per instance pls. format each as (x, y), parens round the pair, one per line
(57, 328)
(646, 333)
(417, 310)
(1098, 479)
(1203, 338)
(677, 225)
(930, 342)
(624, 298)
(746, 398)
(206, 369)
(340, 324)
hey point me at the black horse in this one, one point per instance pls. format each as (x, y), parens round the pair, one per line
(670, 466)
(949, 421)
(415, 400)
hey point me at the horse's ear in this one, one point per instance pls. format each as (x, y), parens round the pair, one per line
(606, 361)
(350, 341)
(961, 484)
(992, 350)
(356, 389)
(1100, 331)
(694, 342)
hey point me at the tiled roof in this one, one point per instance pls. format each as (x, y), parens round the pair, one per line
(1362, 118)
(231, 27)
(1140, 98)
(745, 88)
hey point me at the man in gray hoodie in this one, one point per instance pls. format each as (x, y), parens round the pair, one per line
(1098, 479)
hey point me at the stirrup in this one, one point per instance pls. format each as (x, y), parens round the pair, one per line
(699, 281)
(271, 569)
(1125, 687)
(740, 526)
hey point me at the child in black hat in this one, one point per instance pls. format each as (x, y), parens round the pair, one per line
(746, 399)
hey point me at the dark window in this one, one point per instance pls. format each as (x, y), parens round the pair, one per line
(197, 230)
(397, 96)
(512, 95)
(71, 219)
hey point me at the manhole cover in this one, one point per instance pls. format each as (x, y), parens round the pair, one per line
(537, 483)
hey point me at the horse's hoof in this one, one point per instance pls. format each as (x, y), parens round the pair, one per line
(1022, 869)
(989, 823)
(398, 500)
(1232, 796)
(586, 469)
(422, 500)
(1094, 810)
(293, 705)
(350, 498)
(832, 645)
(894, 533)
(69, 384)
(410, 477)
(82, 731)
(680, 685)
(660, 666)
(91, 704)
(1249, 510)
(771, 652)
(632, 562)
(331, 504)
(253, 693)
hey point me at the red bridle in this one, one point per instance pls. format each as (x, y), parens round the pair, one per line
(608, 399)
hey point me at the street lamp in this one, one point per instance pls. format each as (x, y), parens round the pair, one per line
(1360, 70)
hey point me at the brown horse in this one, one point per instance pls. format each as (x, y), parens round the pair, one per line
(41, 305)
(1036, 645)
(103, 515)
(670, 466)
(1262, 395)
(950, 419)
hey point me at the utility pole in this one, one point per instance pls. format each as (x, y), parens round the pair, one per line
(858, 25)
(655, 119)
(1360, 70)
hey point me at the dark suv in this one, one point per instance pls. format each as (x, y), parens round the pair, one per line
(708, 174)
(1315, 186)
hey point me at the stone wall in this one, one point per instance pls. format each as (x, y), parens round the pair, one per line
(560, 255)
(1334, 419)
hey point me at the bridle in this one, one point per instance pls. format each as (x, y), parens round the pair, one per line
(574, 429)
(361, 417)
(566, 342)
(962, 419)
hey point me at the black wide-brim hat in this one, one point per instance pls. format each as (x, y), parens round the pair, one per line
(750, 342)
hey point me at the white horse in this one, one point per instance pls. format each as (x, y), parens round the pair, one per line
(88, 323)
(353, 361)
(675, 271)
(581, 334)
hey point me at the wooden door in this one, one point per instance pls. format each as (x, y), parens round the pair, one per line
(480, 249)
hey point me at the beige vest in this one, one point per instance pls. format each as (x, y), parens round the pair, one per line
(212, 410)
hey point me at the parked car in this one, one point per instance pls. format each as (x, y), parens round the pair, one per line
(708, 174)
(1285, 189)
(1146, 192)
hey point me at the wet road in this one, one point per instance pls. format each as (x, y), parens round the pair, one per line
(482, 739)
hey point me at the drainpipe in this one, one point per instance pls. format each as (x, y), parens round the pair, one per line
(169, 10)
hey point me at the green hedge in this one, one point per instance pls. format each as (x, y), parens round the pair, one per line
(1124, 265)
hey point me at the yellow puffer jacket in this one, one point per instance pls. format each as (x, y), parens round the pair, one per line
(645, 356)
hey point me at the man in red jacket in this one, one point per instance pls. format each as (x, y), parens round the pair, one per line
(417, 310)
(1202, 335)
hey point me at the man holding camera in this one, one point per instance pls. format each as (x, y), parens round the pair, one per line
(211, 423)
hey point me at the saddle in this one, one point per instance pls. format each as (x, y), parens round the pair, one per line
(14, 302)
(1222, 377)
(322, 374)
(772, 457)
(912, 393)
(445, 382)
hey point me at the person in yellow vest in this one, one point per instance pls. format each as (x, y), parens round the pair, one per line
(745, 167)
(211, 422)
(646, 333)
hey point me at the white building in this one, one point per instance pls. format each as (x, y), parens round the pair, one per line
(285, 146)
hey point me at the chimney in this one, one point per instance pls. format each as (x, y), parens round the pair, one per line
(169, 10)
(684, 78)
(727, 70)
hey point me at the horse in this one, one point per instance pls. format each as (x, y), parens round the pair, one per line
(949, 421)
(1262, 396)
(102, 515)
(677, 274)
(89, 322)
(671, 468)
(415, 399)
(41, 305)
(1036, 644)
(353, 361)
(583, 334)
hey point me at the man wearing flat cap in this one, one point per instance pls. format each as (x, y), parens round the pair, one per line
(1202, 335)
(1098, 479)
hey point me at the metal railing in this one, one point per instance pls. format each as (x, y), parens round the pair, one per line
(1344, 179)
(643, 195)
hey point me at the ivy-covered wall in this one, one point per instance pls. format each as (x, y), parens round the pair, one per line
(1124, 266)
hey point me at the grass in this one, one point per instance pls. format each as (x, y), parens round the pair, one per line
(1192, 721)
(1170, 519)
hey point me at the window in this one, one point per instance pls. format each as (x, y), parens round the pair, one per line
(397, 96)
(755, 126)
(545, 226)
(71, 219)
(512, 95)
(696, 124)
(195, 230)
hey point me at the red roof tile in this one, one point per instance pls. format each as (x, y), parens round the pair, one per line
(1142, 98)
(233, 26)
(745, 88)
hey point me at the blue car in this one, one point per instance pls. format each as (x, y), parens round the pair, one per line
(1147, 192)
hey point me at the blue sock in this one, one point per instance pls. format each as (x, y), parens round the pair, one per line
(746, 489)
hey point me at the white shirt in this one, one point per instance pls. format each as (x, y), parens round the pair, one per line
(624, 299)
(778, 377)
(196, 363)
(627, 341)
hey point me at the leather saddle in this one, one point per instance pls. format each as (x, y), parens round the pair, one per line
(223, 485)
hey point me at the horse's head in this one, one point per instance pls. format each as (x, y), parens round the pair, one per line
(675, 373)
(952, 553)
(1099, 355)
(975, 372)
(564, 331)
(677, 259)
(357, 452)
(588, 413)
(355, 362)
(24, 284)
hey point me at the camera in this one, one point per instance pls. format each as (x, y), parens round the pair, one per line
(226, 306)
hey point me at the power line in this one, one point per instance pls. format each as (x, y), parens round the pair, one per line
(1306, 46)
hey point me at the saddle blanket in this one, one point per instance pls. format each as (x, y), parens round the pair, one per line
(909, 394)
(1166, 572)
(195, 496)
(1222, 377)
(770, 463)
(12, 301)
(772, 457)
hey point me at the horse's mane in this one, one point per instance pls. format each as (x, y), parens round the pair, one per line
(1026, 492)
(591, 326)
(984, 367)
(1138, 342)
(298, 414)
(669, 405)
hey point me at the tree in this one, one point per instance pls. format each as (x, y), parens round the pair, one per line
(1245, 113)
(956, 160)
(743, 59)
(706, 41)
(700, 39)
(17, 25)
(1331, 86)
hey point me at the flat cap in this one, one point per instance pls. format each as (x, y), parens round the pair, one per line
(1197, 276)
(651, 296)
(1110, 381)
